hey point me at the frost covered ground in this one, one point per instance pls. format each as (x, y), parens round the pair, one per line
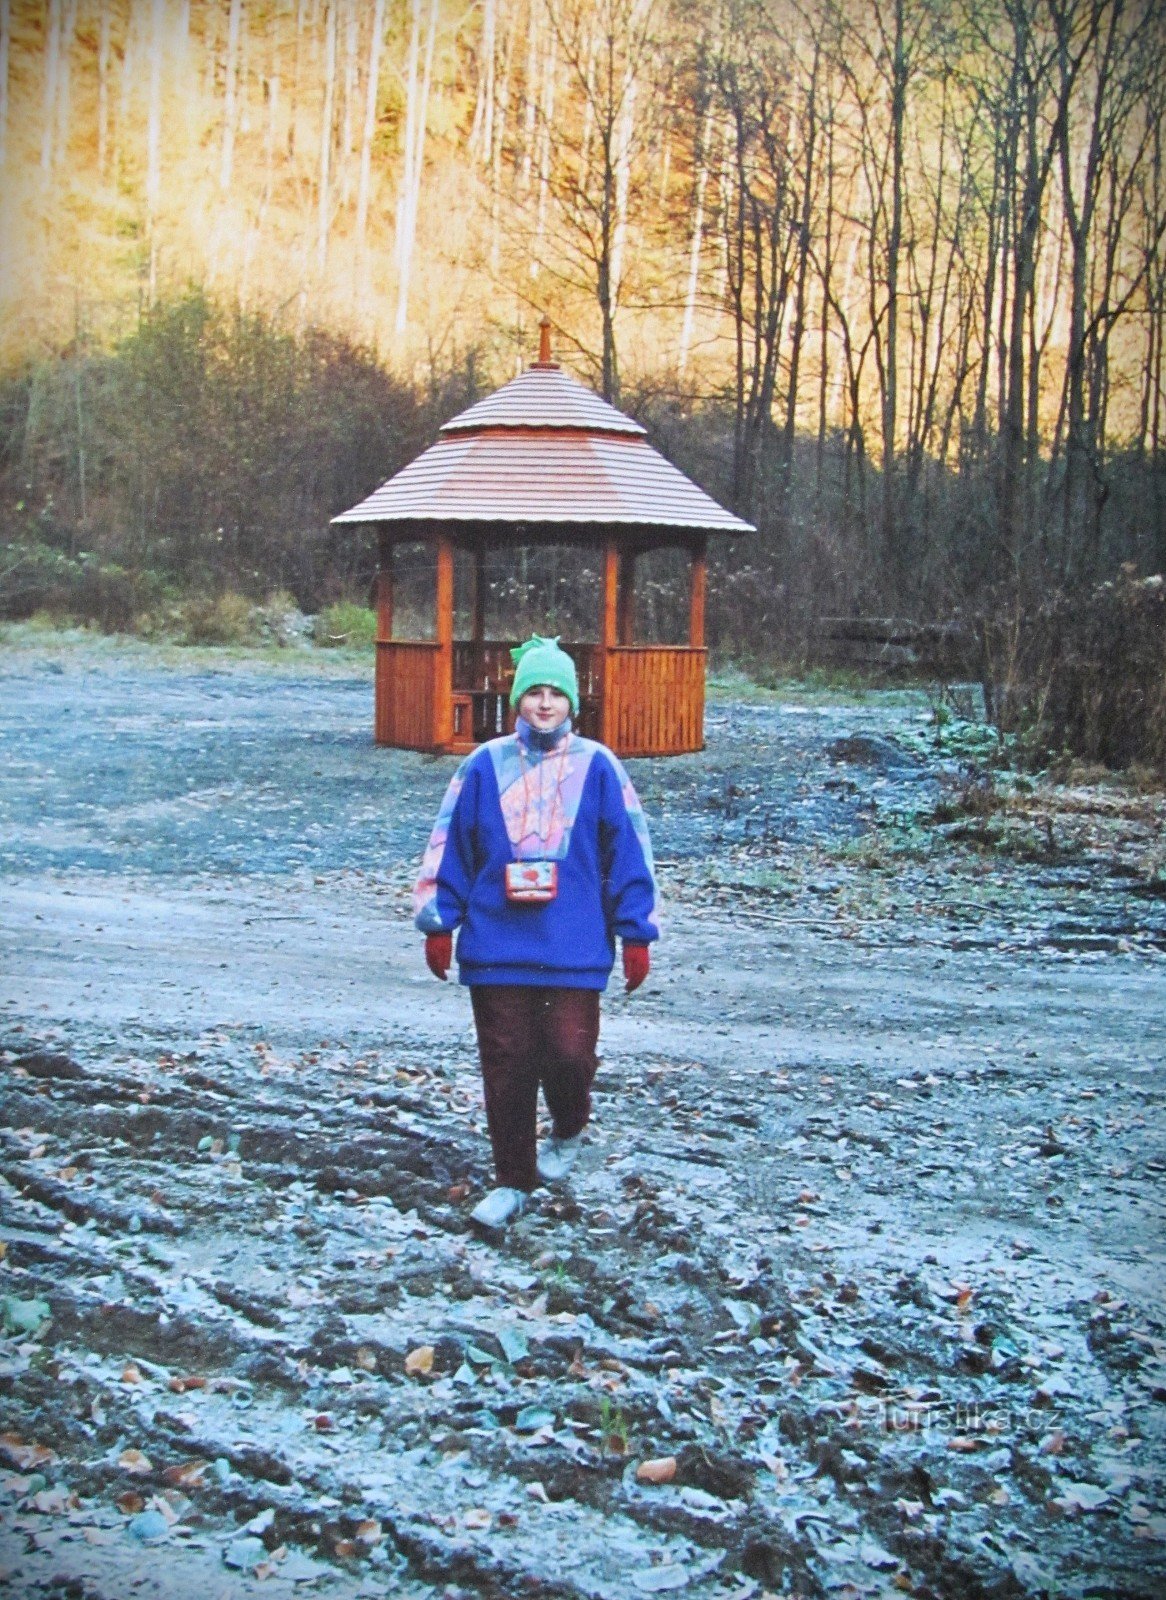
(864, 1254)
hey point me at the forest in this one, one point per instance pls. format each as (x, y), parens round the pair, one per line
(886, 276)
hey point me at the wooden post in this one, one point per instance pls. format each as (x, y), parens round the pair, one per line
(608, 635)
(385, 588)
(698, 588)
(383, 688)
(443, 655)
(625, 622)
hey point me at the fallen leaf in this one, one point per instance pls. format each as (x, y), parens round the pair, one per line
(653, 1580)
(136, 1462)
(1082, 1497)
(419, 1362)
(962, 1442)
(131, 1374)
(184, 1475)
(661, 1469)
(129, 1502)
(52, 1502)
(25, 1317)
(23, 1456)
(513, 1342)
(369, 1532)
(531, 1418)
(182, 1385)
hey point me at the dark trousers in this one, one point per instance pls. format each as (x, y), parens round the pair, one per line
(528, 1036)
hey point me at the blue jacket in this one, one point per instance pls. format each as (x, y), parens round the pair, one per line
(528, 796)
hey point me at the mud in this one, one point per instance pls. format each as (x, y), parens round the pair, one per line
(866, 1238)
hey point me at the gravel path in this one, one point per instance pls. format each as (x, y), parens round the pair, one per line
(865, 1244)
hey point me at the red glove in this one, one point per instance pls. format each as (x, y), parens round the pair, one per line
(635, 965)
(439, 953)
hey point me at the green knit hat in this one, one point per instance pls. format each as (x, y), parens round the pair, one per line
(540, 661)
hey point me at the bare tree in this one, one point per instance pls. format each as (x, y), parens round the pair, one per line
(605, 51)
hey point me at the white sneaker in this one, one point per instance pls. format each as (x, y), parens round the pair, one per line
(500, 1207)
(557, 1157)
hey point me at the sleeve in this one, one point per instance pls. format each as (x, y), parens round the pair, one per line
(448, 867)
(630, 895)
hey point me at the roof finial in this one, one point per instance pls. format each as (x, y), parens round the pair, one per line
(544, 343)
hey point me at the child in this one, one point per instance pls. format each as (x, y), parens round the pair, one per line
(540, 856)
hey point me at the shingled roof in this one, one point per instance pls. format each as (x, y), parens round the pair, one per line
(545, 449)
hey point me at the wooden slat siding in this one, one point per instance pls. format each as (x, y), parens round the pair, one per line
(656, 700)
(405, 680)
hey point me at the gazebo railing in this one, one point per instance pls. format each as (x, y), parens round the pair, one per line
(654, 699)
(641, 699)
(482, 674)
(405, 693)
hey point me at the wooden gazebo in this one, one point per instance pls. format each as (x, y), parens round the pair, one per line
(543, 460)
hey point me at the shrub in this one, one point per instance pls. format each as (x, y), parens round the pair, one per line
(1085, 675)
(222, 619)
(279, 620)
(346, 624)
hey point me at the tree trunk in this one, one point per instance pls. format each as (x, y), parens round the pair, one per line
(351, 41)
(324, 181)
(154, 114)
(481, 144)
(530, 118)
(5, 34)
(804, 246)
(417, 113)
(227, 158)
(892, 542)
(623, 168)
(52, 78)
(294, 106)
(103, 49)
(824, 332)
(370, 121)
(501, 118)
(547, 121)
(702, 176)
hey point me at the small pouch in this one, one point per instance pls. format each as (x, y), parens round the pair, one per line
(532, 883)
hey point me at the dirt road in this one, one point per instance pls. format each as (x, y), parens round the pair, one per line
(866, 1244)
